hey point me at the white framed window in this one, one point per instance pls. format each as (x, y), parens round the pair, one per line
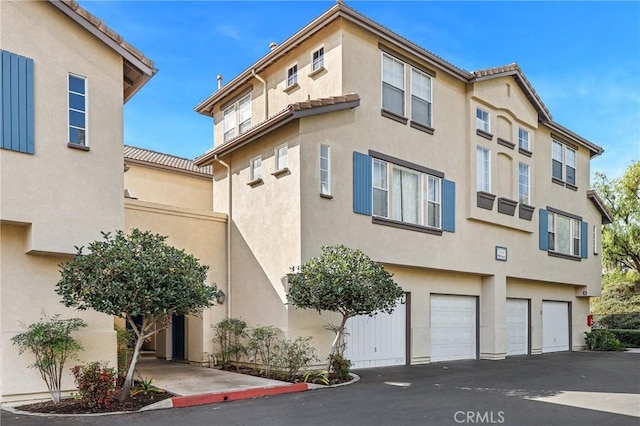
(596, 240)
(523, 184)
(563, 162)
(325, 170)
(77, 110)
(236, 118)
(523, 139)
(421, 100)
(483, 120)
(406, 195)
(317, 59)
(292, 75)
(564, 234)
(392, 84)
(483, 169)
(255, 168)
(281, 157)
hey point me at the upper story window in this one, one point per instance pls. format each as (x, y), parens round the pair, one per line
(523, 139)
(292, 76)
(281, 157)
(392, 85)
(237, 118)
(564, 234)
(523, 184)
(406, 195)
(77, 110)
(563, 163)
(421, 97)
(317, 59)
(325, 170)
(482, 120)
(483, 169)
(255, 169)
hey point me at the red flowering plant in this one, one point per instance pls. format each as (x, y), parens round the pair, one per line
(96, 384)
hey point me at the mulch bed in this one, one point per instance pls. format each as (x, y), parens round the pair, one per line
(71, 406)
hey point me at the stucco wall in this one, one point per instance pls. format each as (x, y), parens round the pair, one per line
(169, 187)
(85, 187)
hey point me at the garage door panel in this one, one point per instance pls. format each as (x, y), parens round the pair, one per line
(517, 327)
(453, 327)
(555, 326)
(377, 341)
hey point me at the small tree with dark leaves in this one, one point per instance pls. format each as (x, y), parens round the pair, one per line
(136, 275)
(345, 281)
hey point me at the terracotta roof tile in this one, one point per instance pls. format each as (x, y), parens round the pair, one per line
(165, 160)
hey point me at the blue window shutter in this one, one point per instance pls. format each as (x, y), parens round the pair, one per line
(17, 109)
(544, 230)
(584, 240)
(362, 183)
(448, 206)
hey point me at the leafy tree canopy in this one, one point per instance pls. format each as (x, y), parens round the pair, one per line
(136, 275)
(620, 294)
(621, 239)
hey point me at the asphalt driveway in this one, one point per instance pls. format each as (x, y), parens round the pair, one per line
(579, 388)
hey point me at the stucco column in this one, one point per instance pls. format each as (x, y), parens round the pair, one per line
(493, 332)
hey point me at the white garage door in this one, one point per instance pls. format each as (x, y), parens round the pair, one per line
(555, 326)
(517, 326)
(377, 341)
(453, 327)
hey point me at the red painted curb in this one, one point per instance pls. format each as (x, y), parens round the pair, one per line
(209, 398)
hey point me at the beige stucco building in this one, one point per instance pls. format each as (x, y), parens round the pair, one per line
(459, 182)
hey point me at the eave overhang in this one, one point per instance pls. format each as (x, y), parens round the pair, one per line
(597, 201)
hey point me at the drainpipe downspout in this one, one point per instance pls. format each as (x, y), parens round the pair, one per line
(229, 298)
(266, 97)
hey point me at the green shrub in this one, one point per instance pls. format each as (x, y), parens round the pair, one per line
(340, 366)
(628, 338)
(602, 340)
(96, 384)
(230, 333)
(291, 356)
(260, 347)
(51, 343)
(126, 340)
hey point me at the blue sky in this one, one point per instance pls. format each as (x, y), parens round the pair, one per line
(583, 58)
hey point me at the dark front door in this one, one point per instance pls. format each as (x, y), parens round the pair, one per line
(177, 333)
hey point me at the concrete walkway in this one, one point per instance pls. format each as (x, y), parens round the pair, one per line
(196, 385)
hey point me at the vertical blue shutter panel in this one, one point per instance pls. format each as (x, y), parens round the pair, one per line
(584, 240)
(362, 183)
(544, 230)
(17, 108)
(448, 206)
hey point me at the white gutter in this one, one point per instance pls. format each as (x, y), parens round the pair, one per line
(264, 92)
(225, 165)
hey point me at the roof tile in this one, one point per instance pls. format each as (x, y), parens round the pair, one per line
(166, 160)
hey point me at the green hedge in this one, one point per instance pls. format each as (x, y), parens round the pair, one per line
(628, 338)
(602, 340)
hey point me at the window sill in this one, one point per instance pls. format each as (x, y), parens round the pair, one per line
(571, 187)
(525, 152)
(255, 182)
(291, 88)
(316, 73)
(281, 172)
(327, 196)
(422, 127)
(394, 116)
(557, 181)
(78, 146)
(564, 256)
(506, 143)
(402, 225)
(484, 134)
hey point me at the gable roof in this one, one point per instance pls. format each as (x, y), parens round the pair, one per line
(342, 11)
(137, 68)
(597, 201)
(290, 113)
(146, 157)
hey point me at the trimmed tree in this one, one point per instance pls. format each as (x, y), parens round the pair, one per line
(345, 281)
(136, 275)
